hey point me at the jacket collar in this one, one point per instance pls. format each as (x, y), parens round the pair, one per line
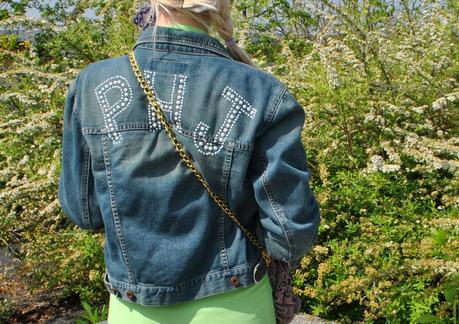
(185, 38)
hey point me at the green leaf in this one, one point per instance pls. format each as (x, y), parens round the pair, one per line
(440, 237)
(429, 318)
(86, 307)
(451, 294)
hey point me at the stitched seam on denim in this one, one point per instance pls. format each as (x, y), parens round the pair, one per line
(177, 51)
(272, 110)
(190, 46)
(210, 45)
(272, 201)
(156, 297)
(237, 270)
(75, 103)
(221, 242)
(114, 213)
(74, 99)
(191, 42)
(226, 172)
(85, 189)
(224, 183)
(184, 40)
(199, 295)
(276, 209)
(143, 127)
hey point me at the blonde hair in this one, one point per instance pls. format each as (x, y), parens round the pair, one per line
(208, 14)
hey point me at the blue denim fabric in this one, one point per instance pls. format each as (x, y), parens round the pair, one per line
(165, 240)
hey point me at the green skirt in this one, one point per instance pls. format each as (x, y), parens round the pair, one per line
(252, 305)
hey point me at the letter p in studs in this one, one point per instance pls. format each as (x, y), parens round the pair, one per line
(114, 95)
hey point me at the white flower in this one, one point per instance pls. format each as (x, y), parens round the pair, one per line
(439, 104)
(420, 109)
(24, 160)
(377, 162)
(369, 117)
(387, 168)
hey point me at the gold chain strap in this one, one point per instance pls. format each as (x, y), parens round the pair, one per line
(188, 161)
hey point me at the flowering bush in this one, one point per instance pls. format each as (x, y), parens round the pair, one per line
(380, 88)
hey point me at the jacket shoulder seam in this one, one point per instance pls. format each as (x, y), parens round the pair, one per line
(272, 109)
(73, 90)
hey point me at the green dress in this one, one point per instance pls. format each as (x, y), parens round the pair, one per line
(250, 305)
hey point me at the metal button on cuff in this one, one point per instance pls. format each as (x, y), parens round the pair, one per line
(234, 281)
(130, 295)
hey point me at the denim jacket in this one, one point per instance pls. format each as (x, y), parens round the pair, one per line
(166, 241)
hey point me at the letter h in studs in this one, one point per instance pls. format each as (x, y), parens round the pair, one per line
(173, 106)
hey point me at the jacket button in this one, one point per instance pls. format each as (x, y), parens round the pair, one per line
(130, 295)
(234, 280)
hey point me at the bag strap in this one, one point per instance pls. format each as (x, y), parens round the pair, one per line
(189, 162)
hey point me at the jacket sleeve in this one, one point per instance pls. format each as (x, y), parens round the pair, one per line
(289, 212)
(76, 191)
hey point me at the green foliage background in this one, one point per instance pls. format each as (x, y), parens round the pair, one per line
(380, 86)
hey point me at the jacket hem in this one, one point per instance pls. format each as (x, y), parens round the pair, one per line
(214, 283)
